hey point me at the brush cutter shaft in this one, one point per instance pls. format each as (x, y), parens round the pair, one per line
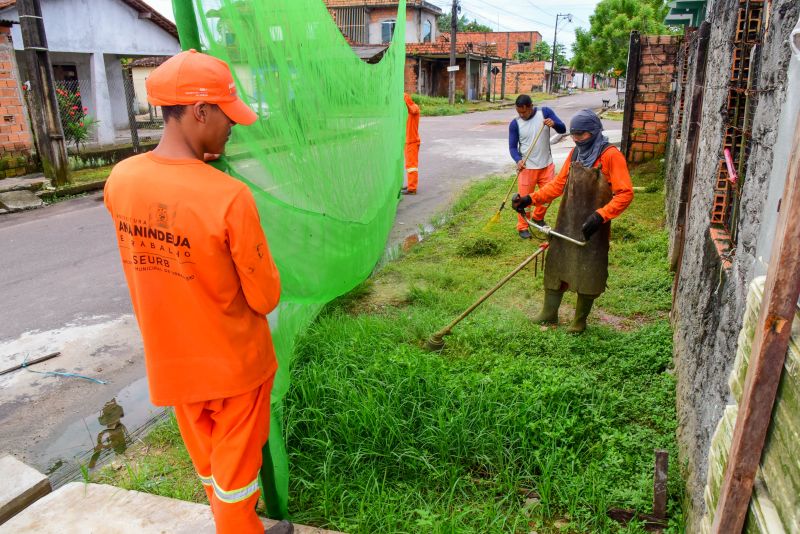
(546, 230)
(446, 330)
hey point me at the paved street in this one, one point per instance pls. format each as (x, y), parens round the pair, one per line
(457, 150)
(63, 290)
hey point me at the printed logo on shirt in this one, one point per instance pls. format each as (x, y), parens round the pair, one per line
(151, 248)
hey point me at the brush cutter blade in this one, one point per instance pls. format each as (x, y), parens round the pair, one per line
(435, 343)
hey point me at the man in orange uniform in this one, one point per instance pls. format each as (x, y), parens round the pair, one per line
(598, 189)
(201, 280)
(412, 146)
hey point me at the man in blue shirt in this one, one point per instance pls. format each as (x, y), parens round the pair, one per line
(538, 169)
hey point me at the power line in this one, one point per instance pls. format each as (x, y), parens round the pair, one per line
(517, 15)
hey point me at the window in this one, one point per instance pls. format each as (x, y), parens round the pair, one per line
(387, 30)
(523, 47)
(427, 31)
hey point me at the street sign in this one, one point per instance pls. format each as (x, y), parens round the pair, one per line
(495, 71)
(453, 68)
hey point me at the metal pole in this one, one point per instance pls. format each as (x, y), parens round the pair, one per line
(453, 30)
(546, 230)
(185, 19)
(46, 118)
(553, 62)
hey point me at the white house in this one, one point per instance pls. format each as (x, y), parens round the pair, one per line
(87, 39)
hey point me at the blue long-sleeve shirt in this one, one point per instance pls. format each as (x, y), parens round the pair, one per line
(513, 130)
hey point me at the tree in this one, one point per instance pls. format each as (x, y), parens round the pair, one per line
(604, 45)
(464, 24)
(542, 52)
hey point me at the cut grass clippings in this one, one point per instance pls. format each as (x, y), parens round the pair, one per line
(512, 428)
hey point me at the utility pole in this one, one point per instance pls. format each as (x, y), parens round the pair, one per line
(567, 16)
(43, 103)
(452, 70)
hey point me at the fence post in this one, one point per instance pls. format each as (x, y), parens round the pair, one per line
(46, 122)
(631, 79)
(130, 98)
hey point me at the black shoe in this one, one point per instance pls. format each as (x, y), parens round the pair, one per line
(524, 234)
(406, 191)
(539, 222)
(284, 527)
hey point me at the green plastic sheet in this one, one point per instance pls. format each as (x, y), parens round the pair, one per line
(324, 162)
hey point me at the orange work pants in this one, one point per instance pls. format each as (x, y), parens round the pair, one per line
(412, 164)
(224, 438)
(527, 182)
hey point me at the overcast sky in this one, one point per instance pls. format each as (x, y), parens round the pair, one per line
(505, 15)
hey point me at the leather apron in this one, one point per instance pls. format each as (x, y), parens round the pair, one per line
(569, 266)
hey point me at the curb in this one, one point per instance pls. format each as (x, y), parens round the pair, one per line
(50, 194)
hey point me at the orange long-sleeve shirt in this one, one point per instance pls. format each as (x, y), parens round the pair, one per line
(200, 275)
(615, 170)
(412, 123)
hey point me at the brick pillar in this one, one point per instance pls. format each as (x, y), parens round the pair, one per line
(652, 97)
(15, 133)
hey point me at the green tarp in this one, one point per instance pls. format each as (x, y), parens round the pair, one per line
(324, 162)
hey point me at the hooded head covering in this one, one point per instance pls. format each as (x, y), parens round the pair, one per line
(587, 120)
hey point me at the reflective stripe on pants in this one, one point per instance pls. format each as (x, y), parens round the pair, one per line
(224, 438)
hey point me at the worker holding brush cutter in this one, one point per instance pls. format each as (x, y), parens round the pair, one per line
(529, 133)
(597, 188)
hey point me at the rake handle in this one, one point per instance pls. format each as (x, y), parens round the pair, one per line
(446, 330)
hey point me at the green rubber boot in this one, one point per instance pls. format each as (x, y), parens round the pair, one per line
(549, 313)
(582, 308)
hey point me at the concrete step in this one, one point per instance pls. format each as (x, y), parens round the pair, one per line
(79, 508)
(30, 182)
(19, 200)
(22, 486)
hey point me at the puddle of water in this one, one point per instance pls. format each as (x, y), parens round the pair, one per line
(394, 251)
(92, 441)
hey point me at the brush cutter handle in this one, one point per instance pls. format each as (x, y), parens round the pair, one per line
(446, 330)
(546, 230)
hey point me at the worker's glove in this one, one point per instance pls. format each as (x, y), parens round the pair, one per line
(591, 224)
(520, 203)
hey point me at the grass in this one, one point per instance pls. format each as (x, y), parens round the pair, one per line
(435, 106)
(85, 176)
(512, 428)
(613, 115)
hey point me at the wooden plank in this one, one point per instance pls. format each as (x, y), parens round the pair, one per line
(771, 341)
(660, 484)
(30, 362)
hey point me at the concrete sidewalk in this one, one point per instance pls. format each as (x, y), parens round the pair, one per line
(79, 508)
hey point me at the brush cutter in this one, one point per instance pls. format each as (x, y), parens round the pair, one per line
(435, 343)
(496, 217)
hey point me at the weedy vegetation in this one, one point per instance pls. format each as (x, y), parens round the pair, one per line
(512, 428)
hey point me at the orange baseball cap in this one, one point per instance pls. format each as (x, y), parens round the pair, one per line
(191, 77)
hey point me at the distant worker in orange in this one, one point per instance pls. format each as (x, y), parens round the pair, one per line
(202, 281)
(597, 187)
(412, 146)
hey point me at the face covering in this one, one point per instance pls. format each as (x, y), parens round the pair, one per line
(589, 150)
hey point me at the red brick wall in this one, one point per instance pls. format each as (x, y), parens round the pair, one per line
(506, 41)
(411, 75)
(650, 123)
(15, 136)
(524, 77)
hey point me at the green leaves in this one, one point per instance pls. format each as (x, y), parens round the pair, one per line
(604, 46)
